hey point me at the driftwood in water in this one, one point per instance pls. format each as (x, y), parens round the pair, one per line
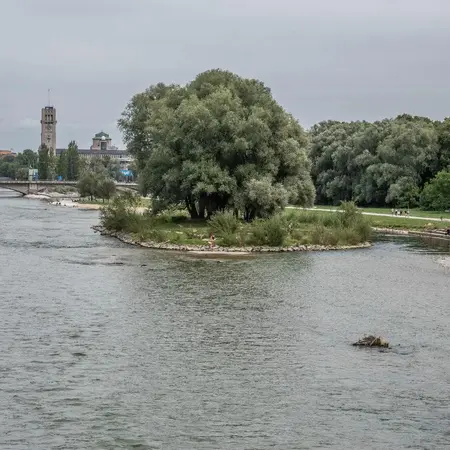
(372, 341)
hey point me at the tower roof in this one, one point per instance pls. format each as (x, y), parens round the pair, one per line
(101, 135)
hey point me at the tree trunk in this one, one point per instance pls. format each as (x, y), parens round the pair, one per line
(202, 203)
(190, 206)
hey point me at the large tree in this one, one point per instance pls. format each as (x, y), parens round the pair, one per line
(73, 161)
(436, 193)
(28, 158)
(62, 165)
(44, 164)
(220, 142)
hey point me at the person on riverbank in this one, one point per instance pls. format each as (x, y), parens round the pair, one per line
(212, 240)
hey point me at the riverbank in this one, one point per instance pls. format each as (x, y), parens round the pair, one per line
(90, 206)
(128, 238)
(404, 232)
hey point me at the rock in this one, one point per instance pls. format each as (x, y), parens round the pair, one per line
(372, 341)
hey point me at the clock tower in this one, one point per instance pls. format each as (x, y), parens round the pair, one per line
(48, 128)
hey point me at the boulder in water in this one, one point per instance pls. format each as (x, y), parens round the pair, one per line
(372, 341)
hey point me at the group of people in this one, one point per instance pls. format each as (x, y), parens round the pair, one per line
(399, 212)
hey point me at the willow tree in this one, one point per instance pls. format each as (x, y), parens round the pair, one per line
(220, 142)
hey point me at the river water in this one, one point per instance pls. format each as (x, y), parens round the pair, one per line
(105, 346)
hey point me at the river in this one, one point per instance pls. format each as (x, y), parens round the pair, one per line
(106, 346)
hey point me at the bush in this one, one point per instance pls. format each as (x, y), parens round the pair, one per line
(364, 230)
(191, 233)
(350, 214)
(298, 216)
(271, 231)
(322, 235)
(170, 216)
(105, 188)
(119, 215)
(224, 223)
(156, 235)
(349, 236)
(332, 220)
(229, 240)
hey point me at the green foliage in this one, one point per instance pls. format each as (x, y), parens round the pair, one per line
(17, 167)
(350, 214)
(436, 193)
(322, 235)
(62, 165)
(44, 164)
(224, 223)
(7, 168)
(27, 159)
(380, 163)
(272, 231)
(120, 215)
(221, 141)
(93, 184)
(73, 161)
(87, 185)
(404, 193)
(105, 188)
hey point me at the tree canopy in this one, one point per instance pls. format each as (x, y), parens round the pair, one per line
(382, 163)
(221, 141)
(44, 164)
(436, 193)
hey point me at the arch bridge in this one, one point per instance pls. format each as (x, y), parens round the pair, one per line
(34, 187)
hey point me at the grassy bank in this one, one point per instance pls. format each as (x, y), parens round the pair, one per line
(291, 228)
(141, 202)
(406, 223)
(412, 212)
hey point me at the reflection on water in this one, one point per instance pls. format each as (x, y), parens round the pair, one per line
(107, 346)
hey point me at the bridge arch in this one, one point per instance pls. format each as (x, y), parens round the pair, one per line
(19, 189)
(25, 187)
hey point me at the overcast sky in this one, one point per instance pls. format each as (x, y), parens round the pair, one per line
(323, 59)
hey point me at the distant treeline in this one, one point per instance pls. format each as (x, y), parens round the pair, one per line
(389, 162)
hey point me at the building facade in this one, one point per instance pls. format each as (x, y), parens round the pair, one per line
(48, 128)
(102, 148)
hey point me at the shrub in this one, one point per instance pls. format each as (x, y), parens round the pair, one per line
(332, 220)
(364, 230)
(298, 216)
(224, 223)
(350, 214)
(191, 233)
(229, 240)
(156, 235)
(271, 231)
(297, 235)
(119, 215)
(325, 236)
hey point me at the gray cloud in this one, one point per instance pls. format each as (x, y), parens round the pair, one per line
(346, 59)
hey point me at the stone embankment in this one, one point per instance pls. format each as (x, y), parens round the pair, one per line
(127, 239)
